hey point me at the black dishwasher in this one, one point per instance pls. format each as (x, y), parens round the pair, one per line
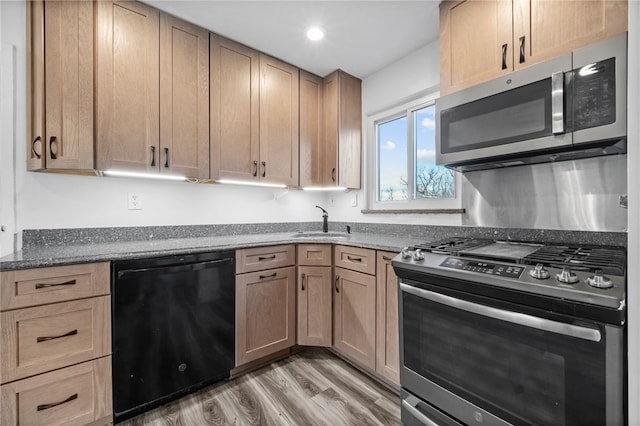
(173, 327)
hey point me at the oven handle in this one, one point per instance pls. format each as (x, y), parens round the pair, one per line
(512, 317)
(410, 403)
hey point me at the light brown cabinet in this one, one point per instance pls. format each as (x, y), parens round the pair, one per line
(60, 85)
(354, 301)
(387, 326)
(481, 40)
(55, 345)
(265, 304)
(342, 130)
(254, 115)
(311, 130)
(148, 120)
(314, 295)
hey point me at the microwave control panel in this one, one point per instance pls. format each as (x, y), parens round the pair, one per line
(594, 94)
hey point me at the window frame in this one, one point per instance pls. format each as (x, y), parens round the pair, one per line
(405, 109)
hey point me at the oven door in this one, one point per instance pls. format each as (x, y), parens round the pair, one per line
(481, 361)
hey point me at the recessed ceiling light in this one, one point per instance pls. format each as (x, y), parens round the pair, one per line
(315, 33)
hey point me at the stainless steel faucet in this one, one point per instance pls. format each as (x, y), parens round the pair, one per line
(325, 219)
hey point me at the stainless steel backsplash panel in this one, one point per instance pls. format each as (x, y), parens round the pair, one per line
(581, 195)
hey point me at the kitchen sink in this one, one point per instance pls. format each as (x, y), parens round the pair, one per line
(320, 234)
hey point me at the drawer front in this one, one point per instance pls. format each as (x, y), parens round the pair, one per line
(356, 259)
(75, 395)
(261, 258)
(314, 254)
(40, 339)
(39, 286)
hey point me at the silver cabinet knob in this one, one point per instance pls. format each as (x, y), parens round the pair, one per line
(599, 281)
(539, 272)
(566, 276)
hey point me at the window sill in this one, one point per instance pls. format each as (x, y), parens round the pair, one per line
(415, 211)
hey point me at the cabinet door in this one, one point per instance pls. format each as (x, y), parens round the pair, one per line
(127, 107)
(278, 122)
(354, 331)
(314, 305)
(545, 29)
(184, 98)
(60, 85)
(311, 130)
(343, 130)
(235, 120)
(265, 313)
(387, 326)
(475, 42)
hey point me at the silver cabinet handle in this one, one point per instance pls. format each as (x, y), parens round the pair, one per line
(557, 103)
(508, 316)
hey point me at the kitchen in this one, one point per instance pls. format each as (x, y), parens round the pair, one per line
(102, 202)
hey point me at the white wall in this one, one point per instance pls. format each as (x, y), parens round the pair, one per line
(409, 78)
(64, 201)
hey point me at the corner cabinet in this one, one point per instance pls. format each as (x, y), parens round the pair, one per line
(265, 301)
(60, 85)
(481, 40)
(311, 130)
(151, 120)
(342, 130)
(254, 115)
(314, 294)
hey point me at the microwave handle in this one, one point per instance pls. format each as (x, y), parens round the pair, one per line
(518, 318)
(557, 103)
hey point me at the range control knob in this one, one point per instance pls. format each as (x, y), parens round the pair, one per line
(600, 281)
(539, 272)
(405, 253)
(418, 255)
(566, 276)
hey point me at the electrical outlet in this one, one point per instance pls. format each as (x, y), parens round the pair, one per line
(134, 201)
(354, 200)
(331, 201)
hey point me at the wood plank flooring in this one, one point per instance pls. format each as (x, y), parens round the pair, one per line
(313, 387)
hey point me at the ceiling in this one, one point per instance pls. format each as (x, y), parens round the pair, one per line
(361, 36)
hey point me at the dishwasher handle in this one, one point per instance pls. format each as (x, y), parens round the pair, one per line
(188, 267)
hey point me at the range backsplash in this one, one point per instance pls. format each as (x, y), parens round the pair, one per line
(579, 195)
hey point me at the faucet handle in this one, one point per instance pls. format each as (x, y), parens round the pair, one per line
(348, 229)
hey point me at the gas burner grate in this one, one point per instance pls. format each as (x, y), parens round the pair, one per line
(610, 260)
(451, 245)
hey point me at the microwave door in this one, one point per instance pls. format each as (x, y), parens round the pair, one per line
(599, 91)
(520, 113)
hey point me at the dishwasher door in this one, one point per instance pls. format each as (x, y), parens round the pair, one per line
(173, 328)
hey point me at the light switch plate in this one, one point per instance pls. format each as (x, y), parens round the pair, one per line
(354, 200)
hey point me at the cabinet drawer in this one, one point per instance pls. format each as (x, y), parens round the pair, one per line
(261, 258)
(40, 339)
(31, 287)
(356, 259)
(314, 254)
(75, 395)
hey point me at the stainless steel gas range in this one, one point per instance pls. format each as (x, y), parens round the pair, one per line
(499, 333)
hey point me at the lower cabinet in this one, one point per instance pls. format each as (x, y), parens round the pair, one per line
(265, 313)
(354, 331)
(387, 322)
(314, 294)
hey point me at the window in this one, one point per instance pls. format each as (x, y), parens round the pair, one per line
(403, 170)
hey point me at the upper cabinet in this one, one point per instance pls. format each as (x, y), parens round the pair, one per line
(152, 91)
(60, 85)
(254, 115)
(343, 130)
(481, 40)
(311, 130)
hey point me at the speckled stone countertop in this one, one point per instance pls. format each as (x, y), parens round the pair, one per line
(61, 247)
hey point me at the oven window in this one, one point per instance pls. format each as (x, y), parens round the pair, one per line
(521, 374)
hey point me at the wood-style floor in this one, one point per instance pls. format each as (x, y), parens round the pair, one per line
(313, 387)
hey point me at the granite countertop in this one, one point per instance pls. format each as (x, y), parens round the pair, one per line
(100, 252)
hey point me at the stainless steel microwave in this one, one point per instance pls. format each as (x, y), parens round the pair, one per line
(568, 107)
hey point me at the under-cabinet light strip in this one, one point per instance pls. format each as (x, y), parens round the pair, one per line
(240, 182)
(121, 173)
